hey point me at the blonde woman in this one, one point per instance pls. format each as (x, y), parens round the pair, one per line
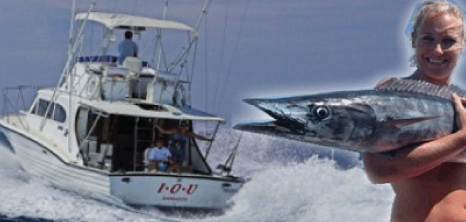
(427, 185)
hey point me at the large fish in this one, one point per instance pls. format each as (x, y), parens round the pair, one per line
(395, 114)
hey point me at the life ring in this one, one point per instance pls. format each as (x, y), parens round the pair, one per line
(93, 87)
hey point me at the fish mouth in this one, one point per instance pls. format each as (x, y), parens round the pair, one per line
(268, 107)
(283, 121)
(265, 127)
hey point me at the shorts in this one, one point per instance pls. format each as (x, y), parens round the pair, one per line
(178, 154)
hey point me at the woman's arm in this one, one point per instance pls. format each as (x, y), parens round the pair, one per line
(165, 131)
(416, 159)
(199, 137)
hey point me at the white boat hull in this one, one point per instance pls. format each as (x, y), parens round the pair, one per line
(134, 189)
(38, 160)
(174, 190)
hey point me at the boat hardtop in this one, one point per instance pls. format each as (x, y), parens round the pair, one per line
(113, 20)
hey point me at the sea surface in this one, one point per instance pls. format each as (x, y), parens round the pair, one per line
(289, 182)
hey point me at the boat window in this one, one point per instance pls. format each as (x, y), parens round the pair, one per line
(59, 113)
(34, 108)
(42, 108)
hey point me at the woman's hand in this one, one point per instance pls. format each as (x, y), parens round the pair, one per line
(460, 111)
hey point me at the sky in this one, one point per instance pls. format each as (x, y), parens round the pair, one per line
(247, 48)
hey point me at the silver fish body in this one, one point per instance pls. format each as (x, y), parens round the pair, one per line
(366, 121)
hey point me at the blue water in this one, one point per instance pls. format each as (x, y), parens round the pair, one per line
(289, 182)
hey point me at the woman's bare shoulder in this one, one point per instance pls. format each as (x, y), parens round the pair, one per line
(383, 81)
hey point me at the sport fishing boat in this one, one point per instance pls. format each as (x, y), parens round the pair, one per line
(90, 132)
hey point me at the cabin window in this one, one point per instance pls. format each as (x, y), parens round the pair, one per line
(59, 114)
(42, 108)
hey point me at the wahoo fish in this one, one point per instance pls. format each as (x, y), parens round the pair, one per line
(393, 115)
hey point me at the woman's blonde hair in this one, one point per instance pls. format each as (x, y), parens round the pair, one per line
(437, 7)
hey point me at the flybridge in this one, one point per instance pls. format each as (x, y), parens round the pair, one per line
(163, 80)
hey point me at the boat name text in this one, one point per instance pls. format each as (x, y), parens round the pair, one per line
(175, 188)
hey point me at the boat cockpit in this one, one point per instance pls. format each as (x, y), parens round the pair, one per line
(117, 141)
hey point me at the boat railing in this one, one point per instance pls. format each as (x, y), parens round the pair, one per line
(155, 86)
(168, 88)
(14, 101)
(134, 80)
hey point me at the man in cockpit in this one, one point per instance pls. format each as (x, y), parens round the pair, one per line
(127, 47)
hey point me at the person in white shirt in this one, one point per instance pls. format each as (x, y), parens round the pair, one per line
(159, 157)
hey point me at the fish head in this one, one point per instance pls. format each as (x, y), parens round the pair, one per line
(333, 122)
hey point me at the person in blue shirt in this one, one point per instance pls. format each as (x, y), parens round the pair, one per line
(179, 142)
(127, 48)
(178, 150)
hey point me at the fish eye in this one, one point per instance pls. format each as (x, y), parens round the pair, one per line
(321, 112)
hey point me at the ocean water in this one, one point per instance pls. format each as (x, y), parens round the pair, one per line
(289, 182)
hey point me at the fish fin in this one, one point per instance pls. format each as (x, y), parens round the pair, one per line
(422, 87)
(405, 122)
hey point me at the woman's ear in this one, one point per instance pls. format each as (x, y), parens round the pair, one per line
(464, 45)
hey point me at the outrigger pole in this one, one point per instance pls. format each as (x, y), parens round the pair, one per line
(159, 37)
(70, 46)
(71, 52)
(204, 12)
(210, 143)
(194, 40)
(231, 158)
